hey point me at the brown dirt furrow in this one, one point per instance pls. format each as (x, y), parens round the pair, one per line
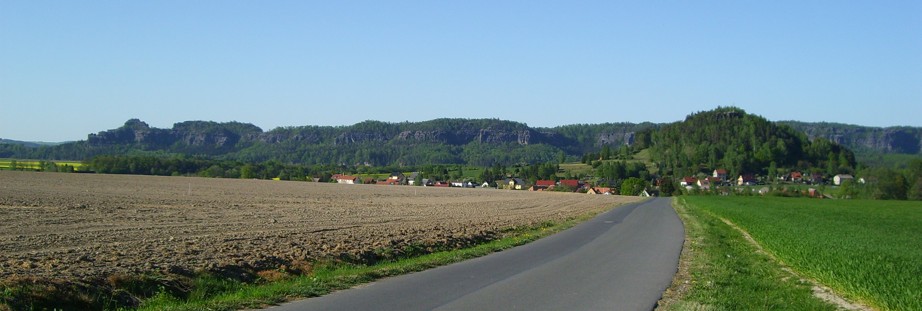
(85, 226)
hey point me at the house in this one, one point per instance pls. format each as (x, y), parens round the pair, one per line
(842, 178)
(708, 182)
(442, 184)
(817, 178)
(746, 180)
(572, 183)
(411, 180)
(720, 173)
(427, 182)
(797, 176)
(704, 183)
(396, 179)
(462, 184)
(514, 184)
(688, 181)
(545, 183)
(345, 179)
(600, 190)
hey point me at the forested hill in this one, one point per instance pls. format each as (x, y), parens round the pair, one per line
(742, 143)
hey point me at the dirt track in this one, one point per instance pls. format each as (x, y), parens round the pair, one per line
(72, 227)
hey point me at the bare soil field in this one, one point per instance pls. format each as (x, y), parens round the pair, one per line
(83, 227)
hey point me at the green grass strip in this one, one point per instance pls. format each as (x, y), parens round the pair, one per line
(726, 272)
(869, 251)
(212, 293)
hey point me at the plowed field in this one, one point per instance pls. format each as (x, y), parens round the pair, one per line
(72, 227)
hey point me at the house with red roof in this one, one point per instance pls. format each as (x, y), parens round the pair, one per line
(545, 183)
(572, 183)
(720, 173)
(689, 181)
(797, 176)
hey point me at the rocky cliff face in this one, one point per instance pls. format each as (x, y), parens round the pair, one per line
(440, 137)
(486, 136)
(359, 137)
(133, 132)
(193, 133)
(224, 135)
(615, 138)
(215, 138)
(907, 140)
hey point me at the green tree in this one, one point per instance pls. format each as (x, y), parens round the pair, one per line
(915, 191)
(247, 172)
(214, 171)
(849, 190)
(667, 187)
(606, 152)
(633, 186)
(891, 185)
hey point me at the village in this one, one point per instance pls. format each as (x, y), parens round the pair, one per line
(400, 179)
(717, 182)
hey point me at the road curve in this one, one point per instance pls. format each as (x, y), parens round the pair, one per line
(620, 260)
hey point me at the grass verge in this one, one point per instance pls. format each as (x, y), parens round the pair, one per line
(725, 272)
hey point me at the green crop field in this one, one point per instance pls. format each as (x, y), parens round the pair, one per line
(6, 164)
(869, 251)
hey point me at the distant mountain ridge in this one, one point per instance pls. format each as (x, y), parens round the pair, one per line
(29, 143)
(895, 139)
(471, 141)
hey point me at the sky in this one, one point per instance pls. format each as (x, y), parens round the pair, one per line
(71, 68)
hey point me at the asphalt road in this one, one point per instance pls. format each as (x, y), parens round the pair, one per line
(620, 260)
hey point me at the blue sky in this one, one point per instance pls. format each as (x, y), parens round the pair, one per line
(70, 68)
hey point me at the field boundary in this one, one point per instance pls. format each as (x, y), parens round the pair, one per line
(819, 290)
